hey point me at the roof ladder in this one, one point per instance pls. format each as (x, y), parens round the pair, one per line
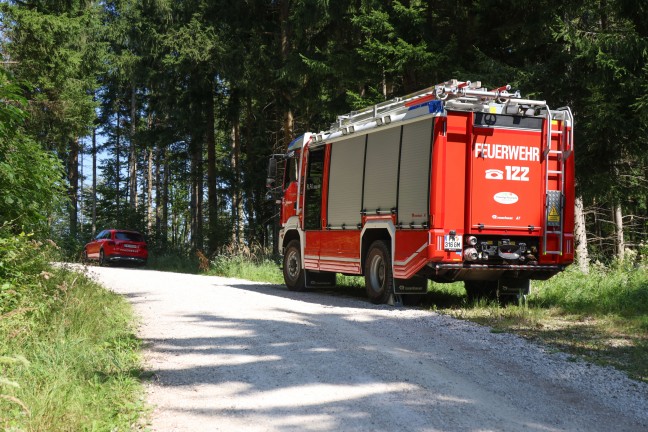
(555, 160)
(448, 90)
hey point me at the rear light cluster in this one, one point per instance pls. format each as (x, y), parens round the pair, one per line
(503, 249)
(470, 253)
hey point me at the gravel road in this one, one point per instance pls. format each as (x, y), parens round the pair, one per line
(233, 355)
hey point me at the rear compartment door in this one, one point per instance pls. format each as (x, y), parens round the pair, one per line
(506, 175)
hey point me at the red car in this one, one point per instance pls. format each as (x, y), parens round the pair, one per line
(115, 245)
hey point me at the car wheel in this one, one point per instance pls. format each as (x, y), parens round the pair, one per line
(379, 279)
(84, 256)
(292, 267)
(102, 258)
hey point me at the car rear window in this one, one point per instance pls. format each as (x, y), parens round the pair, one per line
(130, 236)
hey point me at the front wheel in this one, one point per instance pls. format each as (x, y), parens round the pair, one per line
(379, 279)
(292, 267)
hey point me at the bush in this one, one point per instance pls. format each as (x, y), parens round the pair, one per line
(68, 356)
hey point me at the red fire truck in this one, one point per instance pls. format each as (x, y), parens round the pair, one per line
(452, 183)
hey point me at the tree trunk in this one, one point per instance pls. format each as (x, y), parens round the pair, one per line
(384, 84)
(618, 223)
(212, 197)
(132, 158)
(165, 197)
(288, 120)
(117, 168)
(236, 183)
(582, 256)
(94, 182)
(196, 173)
(196, 194)
(150, 191)
(158, 193)
(73, 179)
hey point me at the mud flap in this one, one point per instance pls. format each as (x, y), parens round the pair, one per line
(319, 279)
(415, 285)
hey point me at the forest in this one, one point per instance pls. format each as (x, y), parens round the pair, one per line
(160, 115)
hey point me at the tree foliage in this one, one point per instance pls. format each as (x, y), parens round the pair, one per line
(189, 97)
(30, 177)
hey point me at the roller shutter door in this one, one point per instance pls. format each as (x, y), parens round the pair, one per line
(345, 182)
(381, 170)
(414, 194)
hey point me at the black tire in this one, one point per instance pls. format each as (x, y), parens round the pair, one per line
(481, 290)
(292, 267)
(84, 256)
(102, 259)
(379, 278)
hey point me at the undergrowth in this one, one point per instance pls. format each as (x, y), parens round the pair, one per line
(173, 261)
(258, 268)
(68, 357)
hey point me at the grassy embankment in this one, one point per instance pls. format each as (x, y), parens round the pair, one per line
(68, 358)
(601, 317)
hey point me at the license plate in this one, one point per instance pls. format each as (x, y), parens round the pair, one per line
(129, 246)
(452, 243)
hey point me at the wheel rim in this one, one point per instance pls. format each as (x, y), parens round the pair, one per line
(293, 264)
(377, 273)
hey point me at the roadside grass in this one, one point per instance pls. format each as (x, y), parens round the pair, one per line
(601, 317)
(177, 262)
(69, 360)
(259, 269)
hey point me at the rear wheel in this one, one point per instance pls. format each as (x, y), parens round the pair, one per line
(379, 279)
(292, 267)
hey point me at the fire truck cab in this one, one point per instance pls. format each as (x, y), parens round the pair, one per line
(452, 183)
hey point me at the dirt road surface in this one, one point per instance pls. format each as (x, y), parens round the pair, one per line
(232, 355)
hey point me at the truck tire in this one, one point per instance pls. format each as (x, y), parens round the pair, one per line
(379, 278)
(292, 267)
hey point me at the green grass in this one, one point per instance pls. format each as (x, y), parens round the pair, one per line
(71, 360)
(254, 269)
